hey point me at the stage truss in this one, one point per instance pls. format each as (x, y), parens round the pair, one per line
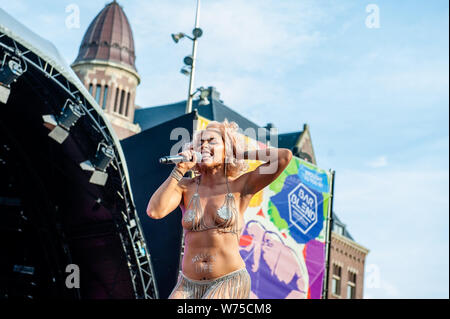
(127, 222)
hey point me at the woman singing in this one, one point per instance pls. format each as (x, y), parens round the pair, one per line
(213, 205)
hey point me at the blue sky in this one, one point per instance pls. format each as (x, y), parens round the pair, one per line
(376, 100)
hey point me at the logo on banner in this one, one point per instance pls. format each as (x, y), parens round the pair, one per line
(303, 208)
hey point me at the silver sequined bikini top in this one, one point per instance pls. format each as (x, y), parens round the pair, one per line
(226, 218)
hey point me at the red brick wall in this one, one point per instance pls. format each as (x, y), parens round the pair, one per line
(349, 258)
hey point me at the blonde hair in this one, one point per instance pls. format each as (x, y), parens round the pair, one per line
(234, 145)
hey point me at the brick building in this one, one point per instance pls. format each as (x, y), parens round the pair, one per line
(106, 65)
(347, 261)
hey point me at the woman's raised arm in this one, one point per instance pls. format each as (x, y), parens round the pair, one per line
(276, 160)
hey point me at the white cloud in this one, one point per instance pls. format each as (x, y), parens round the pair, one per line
(378, 162)
(246, 46)
(252, 35)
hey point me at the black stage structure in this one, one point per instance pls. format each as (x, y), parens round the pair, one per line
(142, 152)
(52, 215)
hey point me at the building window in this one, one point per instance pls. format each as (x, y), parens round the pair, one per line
(128, 102)
(336, 280)
(105, 97)
(116, 100)
(351, 285)
(98, 91)
(91, 87)
(122, 96)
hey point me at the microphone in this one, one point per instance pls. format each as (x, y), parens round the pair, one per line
(174, 159)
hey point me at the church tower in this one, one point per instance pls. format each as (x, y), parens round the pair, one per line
(106, 66)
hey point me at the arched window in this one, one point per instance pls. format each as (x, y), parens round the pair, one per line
(105, 96)
(122, 96)
(91, 87)
(98, 91)
(128, 102)
(116, 101)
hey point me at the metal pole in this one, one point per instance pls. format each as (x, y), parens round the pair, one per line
(328, 240)
(194, 53)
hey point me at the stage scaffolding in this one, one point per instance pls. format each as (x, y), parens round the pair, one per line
(40, 56)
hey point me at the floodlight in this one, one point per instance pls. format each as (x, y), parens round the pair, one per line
(10, 70)
(177, 36)
(98, 166)
(60, 127)
(204, 93)
(203, 101)
(185, 71)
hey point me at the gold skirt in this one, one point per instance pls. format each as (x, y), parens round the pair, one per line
(234, 285)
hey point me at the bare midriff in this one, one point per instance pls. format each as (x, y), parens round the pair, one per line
(210, 254)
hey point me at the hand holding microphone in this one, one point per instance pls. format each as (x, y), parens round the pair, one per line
(184, 160)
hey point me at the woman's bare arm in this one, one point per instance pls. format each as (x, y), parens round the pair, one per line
(276, 160)
(166, 198)
(169, 195)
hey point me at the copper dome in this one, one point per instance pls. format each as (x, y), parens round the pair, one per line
(109, 38)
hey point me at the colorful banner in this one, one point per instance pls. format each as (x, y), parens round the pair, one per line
(283, 241)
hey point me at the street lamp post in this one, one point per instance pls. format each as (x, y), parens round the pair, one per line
(194, 54)
(190, 60)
